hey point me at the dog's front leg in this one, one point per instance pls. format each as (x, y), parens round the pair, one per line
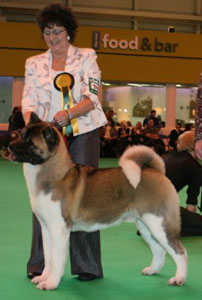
(47, 254)
(59, 237)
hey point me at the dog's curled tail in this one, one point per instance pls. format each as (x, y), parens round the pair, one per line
(136, 158)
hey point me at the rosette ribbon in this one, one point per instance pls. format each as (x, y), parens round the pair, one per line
(64, 82)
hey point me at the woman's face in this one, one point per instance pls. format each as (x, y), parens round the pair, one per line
(56, 38)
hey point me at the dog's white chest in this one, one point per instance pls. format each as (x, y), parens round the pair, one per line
(42, 204)
(30, 173)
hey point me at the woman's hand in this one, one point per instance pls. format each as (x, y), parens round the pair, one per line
(61, 118)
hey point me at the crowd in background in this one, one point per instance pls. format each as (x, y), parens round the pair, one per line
(116, 137)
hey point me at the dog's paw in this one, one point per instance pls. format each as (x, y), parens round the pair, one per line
(176, 281)
(47, 285)
(148, 271)
(38, 279)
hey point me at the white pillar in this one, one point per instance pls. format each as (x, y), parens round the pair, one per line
(170, 106)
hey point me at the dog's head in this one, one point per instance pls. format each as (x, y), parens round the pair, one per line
(185, 141)
(36, 143)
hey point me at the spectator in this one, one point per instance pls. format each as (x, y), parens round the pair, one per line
(137, 134)
(153, 117)
(110, 115)
(184, 170)
(109, 140)
(129, 124)
(123, 135)
(152, 139)
(174, 134)
(150, 131)
(189, 126)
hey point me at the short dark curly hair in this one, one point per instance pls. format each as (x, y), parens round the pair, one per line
(55, 14)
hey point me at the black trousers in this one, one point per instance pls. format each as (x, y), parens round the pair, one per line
(85, 252)
(191, 223)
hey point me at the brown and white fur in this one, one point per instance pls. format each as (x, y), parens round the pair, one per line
(67, 197)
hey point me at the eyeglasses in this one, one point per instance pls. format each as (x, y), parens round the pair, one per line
(54, 32)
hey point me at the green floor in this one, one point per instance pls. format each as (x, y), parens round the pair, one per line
(124, 254)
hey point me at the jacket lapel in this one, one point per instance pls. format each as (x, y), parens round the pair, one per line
(72, 60)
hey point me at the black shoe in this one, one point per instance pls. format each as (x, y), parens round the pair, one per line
(86, 277)
(31, 275)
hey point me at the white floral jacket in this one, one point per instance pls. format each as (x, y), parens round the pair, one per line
(81, 63)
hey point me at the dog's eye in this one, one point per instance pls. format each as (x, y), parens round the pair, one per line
(28, 139)
(25, 137)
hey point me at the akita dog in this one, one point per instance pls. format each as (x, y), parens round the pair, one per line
(68, 197)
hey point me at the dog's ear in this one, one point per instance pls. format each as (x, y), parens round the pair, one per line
(50, 136)
(34, 118)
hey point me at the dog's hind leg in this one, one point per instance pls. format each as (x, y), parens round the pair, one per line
(171, 243)
(158, 252)
(180, 258)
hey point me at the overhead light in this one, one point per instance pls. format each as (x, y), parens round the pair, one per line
(134, 84)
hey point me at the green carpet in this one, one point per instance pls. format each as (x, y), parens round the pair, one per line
(124, 254)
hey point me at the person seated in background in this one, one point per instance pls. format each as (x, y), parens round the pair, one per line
(109, 140)
(174, 134)
(189, 127)
(129, 124)
(150, 131)
(123, 135)
(152, 139)
(162, 126)
(153, 117)
(137, 135)
(109, 115)
(183, 169)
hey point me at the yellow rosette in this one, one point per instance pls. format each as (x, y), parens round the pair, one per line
(64, 82)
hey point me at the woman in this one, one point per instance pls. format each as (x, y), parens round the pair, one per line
(109, 139)
(137, 134)
(123, 135)
(58, 28)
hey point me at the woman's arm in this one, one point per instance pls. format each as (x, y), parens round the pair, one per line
(65, 116)
(91, 91)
